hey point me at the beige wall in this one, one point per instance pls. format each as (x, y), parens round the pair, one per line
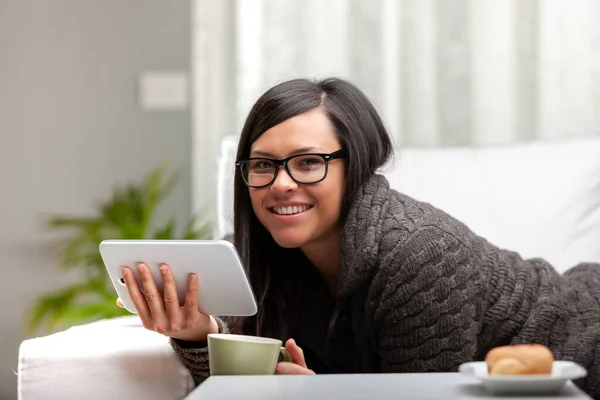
(71, 127)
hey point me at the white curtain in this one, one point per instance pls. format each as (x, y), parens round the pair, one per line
(447, 72)
(441, 72)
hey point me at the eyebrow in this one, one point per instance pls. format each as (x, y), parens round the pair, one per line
(297, 151)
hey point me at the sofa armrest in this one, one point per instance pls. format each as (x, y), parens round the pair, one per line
(108, 359)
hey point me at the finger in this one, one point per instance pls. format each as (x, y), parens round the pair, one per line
(120, 302)
(153, 298)
(190, 308)
(288, 368)
(137, 298)
(170, 297)
(295, 352)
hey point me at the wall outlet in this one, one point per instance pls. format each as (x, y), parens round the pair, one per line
(164, 90)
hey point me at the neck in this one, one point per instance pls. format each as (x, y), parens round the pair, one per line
(325, 256)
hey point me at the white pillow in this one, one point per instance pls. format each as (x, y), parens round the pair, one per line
(541, 198)
(108, 359)
(225, 177)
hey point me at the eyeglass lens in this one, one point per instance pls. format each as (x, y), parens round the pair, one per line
(303, 168)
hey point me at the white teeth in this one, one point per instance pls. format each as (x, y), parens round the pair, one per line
(290, 210)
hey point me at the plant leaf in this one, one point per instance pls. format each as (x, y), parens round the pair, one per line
(55, 304)
(128, 213)
(90, 311)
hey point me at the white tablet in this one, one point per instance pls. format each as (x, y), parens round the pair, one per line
(224, 288)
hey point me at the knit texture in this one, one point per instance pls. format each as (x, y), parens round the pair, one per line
(420, 292)
(439, 295)
(194, 355)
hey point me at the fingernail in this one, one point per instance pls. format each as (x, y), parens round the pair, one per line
(140, 267)
(163, 269)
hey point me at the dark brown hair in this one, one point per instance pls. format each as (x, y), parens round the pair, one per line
(274, 271)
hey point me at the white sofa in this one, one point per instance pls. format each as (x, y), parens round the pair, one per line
(537, 198)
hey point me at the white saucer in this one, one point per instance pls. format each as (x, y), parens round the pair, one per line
(562, 371)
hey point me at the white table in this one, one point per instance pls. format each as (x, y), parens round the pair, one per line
(447, 386)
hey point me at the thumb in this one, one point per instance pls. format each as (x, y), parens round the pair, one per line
(296, 353)
(120, 303)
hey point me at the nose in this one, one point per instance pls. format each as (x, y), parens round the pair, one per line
(283, 182)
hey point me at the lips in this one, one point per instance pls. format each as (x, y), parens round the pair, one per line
(290, 210)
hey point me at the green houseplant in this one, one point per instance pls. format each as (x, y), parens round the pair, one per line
(129, 214)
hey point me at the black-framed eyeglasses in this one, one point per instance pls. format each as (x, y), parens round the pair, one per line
(305, 168)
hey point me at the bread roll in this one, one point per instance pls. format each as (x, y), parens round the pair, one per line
(520, 359)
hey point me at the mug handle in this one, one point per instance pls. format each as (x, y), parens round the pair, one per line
(286, 355)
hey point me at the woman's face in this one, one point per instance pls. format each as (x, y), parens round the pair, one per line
(300, 215)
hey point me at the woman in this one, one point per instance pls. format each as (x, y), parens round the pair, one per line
(357, 277)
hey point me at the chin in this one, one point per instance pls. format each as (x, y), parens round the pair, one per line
(289, 241)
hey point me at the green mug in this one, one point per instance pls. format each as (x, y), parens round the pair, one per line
(244, 355)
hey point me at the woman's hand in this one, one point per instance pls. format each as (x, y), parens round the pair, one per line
(297, 366)
(162, 313)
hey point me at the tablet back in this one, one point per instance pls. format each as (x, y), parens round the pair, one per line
(224, 289)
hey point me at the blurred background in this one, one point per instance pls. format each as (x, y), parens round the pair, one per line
(112, 112)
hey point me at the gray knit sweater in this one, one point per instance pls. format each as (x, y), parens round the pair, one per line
(419, 291)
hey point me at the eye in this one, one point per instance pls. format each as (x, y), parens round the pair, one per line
(311, 161)
(256, 165)
(307, 163)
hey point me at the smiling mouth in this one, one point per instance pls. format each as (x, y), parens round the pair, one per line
(291, 210)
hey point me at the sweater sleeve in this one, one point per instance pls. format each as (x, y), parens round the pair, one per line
(431, 304)
(194, 355)
(449, 299)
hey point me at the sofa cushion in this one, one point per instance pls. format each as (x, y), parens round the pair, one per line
(108, 359)
(540, 198)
